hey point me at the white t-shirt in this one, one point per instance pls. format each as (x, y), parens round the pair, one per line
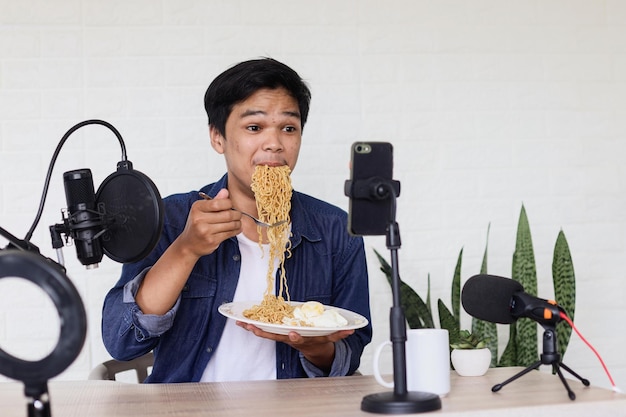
(240, 355)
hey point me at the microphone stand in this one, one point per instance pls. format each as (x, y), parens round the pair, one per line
(400, 400)
(22, 259)
(550, 356)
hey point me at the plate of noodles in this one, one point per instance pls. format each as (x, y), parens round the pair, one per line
(331, 319)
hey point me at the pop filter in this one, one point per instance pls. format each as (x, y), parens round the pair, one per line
(133, 214)
(123, 219)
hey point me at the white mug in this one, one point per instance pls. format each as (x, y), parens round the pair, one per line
(427, 361)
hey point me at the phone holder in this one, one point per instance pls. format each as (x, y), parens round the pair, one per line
(400, 400)
(374, 189)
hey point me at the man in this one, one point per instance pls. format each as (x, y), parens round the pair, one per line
(209, 254)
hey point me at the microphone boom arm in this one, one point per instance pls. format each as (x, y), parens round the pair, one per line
(55, 155)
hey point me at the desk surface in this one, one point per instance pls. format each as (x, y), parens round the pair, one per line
(535, 394)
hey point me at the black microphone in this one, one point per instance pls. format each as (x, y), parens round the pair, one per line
(503, 300)
(122, 220)
(84, 221)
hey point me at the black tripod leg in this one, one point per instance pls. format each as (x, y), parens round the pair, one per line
(570, 393)
(532, 367)
(585, 381)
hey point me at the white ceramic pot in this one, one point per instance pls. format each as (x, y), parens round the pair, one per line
(471, 362)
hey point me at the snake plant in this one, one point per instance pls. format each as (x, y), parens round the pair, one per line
(521, 349)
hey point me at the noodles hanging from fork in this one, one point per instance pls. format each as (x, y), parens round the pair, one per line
(272, 191)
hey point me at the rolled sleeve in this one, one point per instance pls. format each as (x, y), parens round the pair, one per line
(146, 325)
(340, 366)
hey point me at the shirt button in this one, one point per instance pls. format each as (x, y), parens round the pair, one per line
(236, 258)
(209, 350)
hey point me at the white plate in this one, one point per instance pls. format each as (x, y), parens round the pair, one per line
(235, 310)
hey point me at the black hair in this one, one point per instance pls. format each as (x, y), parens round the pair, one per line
(239, 82)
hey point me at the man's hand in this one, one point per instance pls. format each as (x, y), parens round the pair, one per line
(209, 223)
(319, 350)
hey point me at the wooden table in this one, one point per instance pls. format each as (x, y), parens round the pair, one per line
(535, 394)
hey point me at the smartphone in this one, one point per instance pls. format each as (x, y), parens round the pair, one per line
(371, 163)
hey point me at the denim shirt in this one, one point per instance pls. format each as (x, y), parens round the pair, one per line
(326, 265)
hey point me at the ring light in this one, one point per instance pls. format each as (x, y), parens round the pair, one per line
(51, 278)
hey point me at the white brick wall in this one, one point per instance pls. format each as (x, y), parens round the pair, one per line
(489, 104)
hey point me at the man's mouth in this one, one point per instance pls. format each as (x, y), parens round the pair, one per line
(272, 163)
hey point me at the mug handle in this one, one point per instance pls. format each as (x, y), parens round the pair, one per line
(377, 375)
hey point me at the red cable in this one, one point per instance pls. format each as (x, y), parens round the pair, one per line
(606, 370)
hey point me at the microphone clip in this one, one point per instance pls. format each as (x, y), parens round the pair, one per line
(84, 227)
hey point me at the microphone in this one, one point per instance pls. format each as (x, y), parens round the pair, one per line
(122, 220)
(503, 300)
(84, 221)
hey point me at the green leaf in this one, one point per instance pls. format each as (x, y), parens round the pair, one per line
(524, 271)
(448, 322)
(467, 340)
(509, 356)
(564, 282)
(384, 265)
(483, 265)
(416, 312)
(455, 293)
(487, 329)
(428, 306)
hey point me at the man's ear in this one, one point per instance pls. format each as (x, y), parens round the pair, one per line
(217, 140)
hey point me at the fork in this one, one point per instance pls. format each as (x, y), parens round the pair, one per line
(257, 221)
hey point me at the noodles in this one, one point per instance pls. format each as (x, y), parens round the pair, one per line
(271, 310)
(272, 191)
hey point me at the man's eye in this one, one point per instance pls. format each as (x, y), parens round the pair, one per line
(290, 129)
(253, 128)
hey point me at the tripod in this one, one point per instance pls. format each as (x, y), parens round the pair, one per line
(550, 356)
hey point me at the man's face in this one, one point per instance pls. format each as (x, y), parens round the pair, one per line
(264, 129)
